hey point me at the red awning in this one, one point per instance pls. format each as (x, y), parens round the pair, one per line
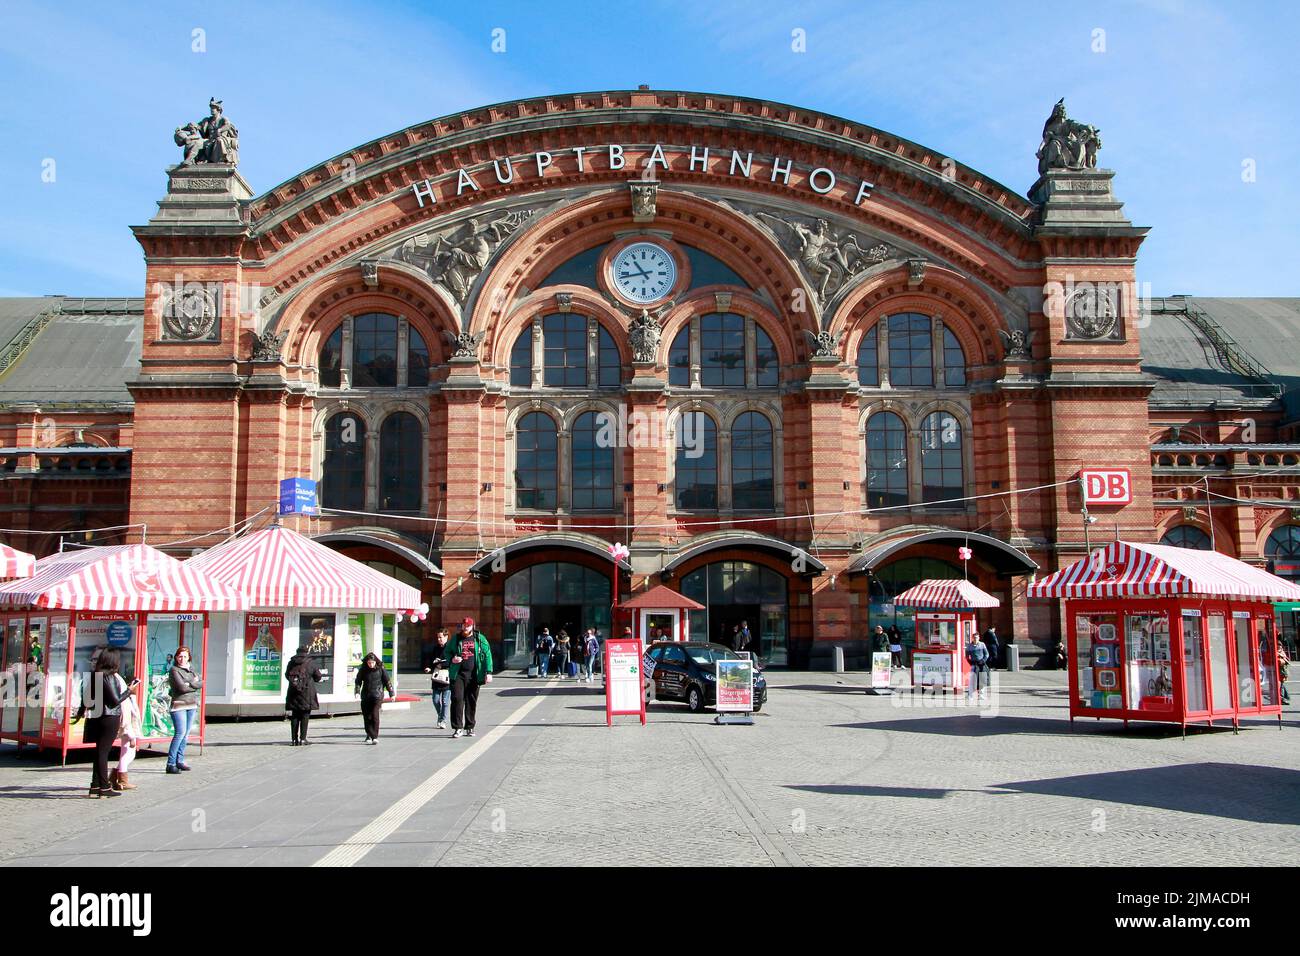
(662, 597)
(1126, 569)
(125, 577)
(15, 563)
(277, 567)
(945, 594)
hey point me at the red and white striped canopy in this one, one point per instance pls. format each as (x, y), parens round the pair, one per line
(15, 563)
(277, 567)
(945, 594)
(1126, 569)
(124, 577)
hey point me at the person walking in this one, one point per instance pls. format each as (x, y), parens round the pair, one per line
(439, 681)
(128, 737)
(879, 640)
(895, 647)
(185, 686)
(371, 684)
(994, 645)
(563, 654)
(744, 636)
(301, 698)
(471, 668)
(543, 646)
(101, 697)
(591, 650)
(978, 656)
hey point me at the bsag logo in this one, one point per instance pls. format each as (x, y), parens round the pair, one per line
(74, 910)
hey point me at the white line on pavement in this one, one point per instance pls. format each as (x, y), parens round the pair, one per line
(350, 851)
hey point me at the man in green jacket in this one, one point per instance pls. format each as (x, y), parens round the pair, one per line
(471, 668)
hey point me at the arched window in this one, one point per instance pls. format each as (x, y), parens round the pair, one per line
(766, 367)
(417, 359)
(564, 344)
(752, 485)
(593, 462)
(331, 360)
(941, 459)
(1283, 548)
(535, 461)
(1187, 536)
(954, 360)
(401, 464)
(911, 357)
(886, 461)
(679, 358)
(869, 358)
(610, 370)
(697, 463)
(374, 351)
(521, 358)
(343, 471)
(722, 350)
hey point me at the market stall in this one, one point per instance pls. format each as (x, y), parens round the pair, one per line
(131, 597)
(299, 592)
(945, 624)
(660, 614)
(15, 563)
(1169, 634)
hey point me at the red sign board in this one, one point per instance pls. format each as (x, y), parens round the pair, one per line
(1107, 486)
(625, 674)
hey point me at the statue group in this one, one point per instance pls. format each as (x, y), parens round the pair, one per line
(213, 139)
(1067, 144)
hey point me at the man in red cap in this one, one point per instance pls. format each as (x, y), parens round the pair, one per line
(471, 668)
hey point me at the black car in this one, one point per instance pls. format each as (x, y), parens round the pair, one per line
(683, 670)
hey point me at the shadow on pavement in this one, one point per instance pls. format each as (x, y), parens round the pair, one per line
(969, 724)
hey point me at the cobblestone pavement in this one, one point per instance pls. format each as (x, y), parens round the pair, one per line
(826, 775)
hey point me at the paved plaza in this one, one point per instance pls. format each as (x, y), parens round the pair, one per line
(826, 775)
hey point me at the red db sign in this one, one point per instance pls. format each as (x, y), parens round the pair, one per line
(1107, 486)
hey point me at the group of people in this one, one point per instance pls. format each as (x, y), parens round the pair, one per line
(892, 640)
(112, 717)
(559, 651)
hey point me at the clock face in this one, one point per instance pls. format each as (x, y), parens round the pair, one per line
(644, 272)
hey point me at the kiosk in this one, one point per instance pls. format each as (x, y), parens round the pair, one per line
(661, 614)
(945, 624)
(299, 592)
(1169, 634)
(132, 597)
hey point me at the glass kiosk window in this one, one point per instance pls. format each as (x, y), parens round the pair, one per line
(1220, 673)
(1193, 662)
(13, 659)
(1247, 686)
(317, 632)
(1267, 662)
(57, 682)
(1149, 678)
(34, 662)
(1098, 661)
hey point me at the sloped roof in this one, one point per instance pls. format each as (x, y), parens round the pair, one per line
(85, 354)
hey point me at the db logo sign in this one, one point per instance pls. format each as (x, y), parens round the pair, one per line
(1107, 486)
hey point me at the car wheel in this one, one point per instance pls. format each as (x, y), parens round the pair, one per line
(757, 708)
(695, 699)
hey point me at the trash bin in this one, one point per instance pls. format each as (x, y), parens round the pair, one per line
(1013, 657)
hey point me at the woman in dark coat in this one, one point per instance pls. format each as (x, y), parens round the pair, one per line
(372, 681)
(301, 698)
(102, 697)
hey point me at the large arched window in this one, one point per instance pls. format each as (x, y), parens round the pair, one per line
(343, 471)
(1187, 536)
(697, 463)
(752, 484)
(954, 360)
(564, 350)
(1283, 549)
(941, 458)
(869, 358)
(401, 466)
(521, 359)
(593, 462)
(535, 462)
(767, 369)
(417, 359)
(331, 360)
(679, 358)
(886, 461)
(911, 356)
(374, 351)
(609, 372)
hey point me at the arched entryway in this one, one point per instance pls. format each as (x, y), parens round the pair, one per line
(890, 580)
(558, 595)
(735, 592)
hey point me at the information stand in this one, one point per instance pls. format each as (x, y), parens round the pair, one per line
(624, 680)
(734, 678)
(945, 626)
(882, 672)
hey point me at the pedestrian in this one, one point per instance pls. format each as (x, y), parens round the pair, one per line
(302, 676)
(879, 640)
(439, 682)
(101, 698)
(744, 636)
(185, 685)
(542, 648)
(994, 646)
(978, 656)
(1062, 655)
(735, 637)
(371, 684)
(563, 654)
(1283, 665)
(591, 648)
(471, 668)
(128, 737)
(895, 647)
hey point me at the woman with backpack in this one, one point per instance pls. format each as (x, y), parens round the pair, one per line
(371, 683)
(563, 653)
(301, 697)
(439, 677)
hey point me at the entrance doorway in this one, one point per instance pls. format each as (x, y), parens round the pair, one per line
(557, 595)
(733, 592)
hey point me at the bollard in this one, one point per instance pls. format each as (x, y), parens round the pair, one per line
(1013, 658)
(837, 655)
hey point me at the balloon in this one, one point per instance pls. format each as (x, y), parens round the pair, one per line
(424, 607)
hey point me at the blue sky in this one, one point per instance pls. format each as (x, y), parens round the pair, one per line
(1184, 93)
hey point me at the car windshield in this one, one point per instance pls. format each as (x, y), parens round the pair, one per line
(713, 652)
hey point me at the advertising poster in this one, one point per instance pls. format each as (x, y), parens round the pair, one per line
(358, 641)
(735, 680)
(56, 683)
(263, 650)
(880, 669)
(623, 688)
(390, 642)
(932, 670)
(317, 632)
